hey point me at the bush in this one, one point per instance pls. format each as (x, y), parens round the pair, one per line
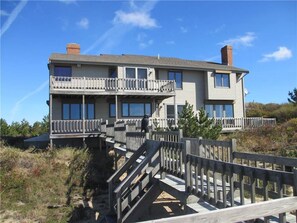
(276, 140)
(30, 182)
(282, 112)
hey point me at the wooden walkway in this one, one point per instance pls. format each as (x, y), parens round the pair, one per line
(207, 176)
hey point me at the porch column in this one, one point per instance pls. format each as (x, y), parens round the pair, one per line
(154, 108)
(116, 107)
(83, 120)
(50, 119)
(175, 110)
(153, 113)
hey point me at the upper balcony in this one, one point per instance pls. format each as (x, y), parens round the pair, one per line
(111, 86)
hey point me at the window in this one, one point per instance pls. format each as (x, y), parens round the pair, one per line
(222, 80)
(136, 109)
(74, 111)
(219, 110)
(170, 110)
(141, 73)
(177, 77)
(130, 73)
(62, 71)
(66, 111)
(112, 110)
(138, 73)
(89, 111)
(112, 72)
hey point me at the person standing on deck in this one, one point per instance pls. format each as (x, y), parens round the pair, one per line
(145, 123)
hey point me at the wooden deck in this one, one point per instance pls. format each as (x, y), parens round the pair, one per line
(205, 175)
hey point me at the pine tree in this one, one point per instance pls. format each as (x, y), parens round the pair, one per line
(293, 96)
(188, 121)
(206, 126)
(194, 126)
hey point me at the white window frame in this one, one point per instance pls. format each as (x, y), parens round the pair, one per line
(221, 80)
(136, 71)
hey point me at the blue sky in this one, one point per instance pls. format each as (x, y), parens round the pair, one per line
(263, 35)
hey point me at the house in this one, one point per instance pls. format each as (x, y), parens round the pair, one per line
(85, 89)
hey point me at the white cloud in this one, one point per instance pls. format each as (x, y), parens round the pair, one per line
(282, 53)
(114, 35)
(3, 13)
(83, 23)
(183, 29)
(13, 15)
(245, 40)
(138, 18)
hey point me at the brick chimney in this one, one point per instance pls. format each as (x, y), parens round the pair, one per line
(73, 48)
(226, 54)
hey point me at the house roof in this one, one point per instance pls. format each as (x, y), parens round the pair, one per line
(139, 60)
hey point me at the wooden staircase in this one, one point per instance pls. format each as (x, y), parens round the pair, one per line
(203, 180)
(133, 186)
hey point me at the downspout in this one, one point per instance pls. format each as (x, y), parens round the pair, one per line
(243, 94)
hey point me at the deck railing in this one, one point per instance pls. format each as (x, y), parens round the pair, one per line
(244, 122)
(155, 123)
(111, 84)
(75, 126)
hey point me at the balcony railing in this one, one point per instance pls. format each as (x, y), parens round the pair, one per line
(94, 125)
(244, 123)
(75, 126)
(162, 123)
(111, 84)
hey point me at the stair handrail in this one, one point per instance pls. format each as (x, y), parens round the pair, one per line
(151, 149)
(128, 180)
(111, 180)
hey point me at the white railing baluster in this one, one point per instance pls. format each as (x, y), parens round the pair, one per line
(74, 126)
(110, 84)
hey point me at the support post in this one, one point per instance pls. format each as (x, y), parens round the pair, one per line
(116, 107)
(200, 147)
(154, 113)
(180, 135)
(175, 111)
(83, 120)
(188, 174)
(295, 187)
(232, 150)
(162, 154)
(50, 119)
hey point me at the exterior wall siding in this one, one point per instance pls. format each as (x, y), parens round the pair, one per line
(193, 90)
(220, 93)
(90, 71)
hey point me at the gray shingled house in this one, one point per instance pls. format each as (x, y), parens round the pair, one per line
(85, 89)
